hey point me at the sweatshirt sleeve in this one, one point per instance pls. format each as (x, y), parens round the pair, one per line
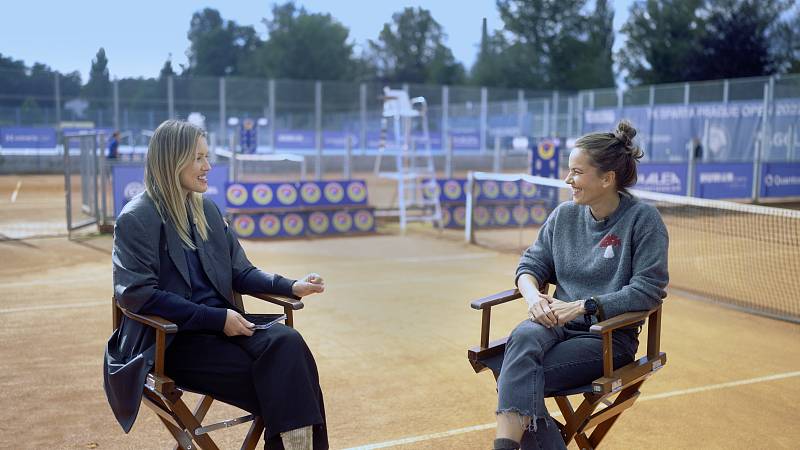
(537, 260)
(647, 286)
(135, 272)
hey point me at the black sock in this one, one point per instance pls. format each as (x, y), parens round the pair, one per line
(505, 444)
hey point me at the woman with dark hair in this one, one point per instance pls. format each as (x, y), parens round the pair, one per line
(175, 257)
(607, 253)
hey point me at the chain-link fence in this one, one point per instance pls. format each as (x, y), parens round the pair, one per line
(314, 115)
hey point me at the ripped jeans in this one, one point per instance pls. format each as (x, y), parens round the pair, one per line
(540, 361)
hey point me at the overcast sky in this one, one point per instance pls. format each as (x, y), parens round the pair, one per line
(138, 36)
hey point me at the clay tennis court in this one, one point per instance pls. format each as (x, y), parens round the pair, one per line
(390, 337)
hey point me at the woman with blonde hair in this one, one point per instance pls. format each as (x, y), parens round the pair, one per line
(607, 253)
(174, 256)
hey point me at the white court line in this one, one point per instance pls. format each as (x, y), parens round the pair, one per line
(59, 306)
(487, 426)
(16, 191)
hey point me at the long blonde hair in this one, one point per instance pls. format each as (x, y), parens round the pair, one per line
(171, 149)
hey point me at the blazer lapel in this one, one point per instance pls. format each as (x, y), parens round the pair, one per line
(175, 248)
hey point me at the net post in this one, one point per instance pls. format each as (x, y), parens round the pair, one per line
(469, 236)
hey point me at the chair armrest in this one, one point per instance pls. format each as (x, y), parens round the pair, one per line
(496, 299)
(619, 321)
(280, 300)
(156, 322)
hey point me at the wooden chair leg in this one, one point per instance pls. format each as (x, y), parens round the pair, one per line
(184, 441)
(191, 423)
(253, 434)
(602, 429)
(581, 415)
(200, 412)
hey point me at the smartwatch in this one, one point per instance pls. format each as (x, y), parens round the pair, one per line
(590, 305)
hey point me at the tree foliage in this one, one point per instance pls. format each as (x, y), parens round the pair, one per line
(686, 40)
(411, 49)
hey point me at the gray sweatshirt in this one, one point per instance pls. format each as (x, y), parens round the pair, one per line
(621, 261)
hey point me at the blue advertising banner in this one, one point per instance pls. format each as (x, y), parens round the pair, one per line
(780, 180)
(664, 178)
(28, 137)
(295, 194)
(544, 158)
(723, 180)
(727, 132)
(300, 139)
(128, 182)
(301, 223)
(338, 139)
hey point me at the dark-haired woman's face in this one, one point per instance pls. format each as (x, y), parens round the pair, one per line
(194, 177)
(587, 183)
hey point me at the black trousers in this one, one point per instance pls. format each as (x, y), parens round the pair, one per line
(271, 373)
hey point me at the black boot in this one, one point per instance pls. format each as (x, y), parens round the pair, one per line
(505, 444)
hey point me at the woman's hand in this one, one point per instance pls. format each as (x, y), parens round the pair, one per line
(310, 284)
(539, 311)
(564, 311)
(236, 325)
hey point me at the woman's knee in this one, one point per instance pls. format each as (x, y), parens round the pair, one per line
(530, 335)
(288, 336)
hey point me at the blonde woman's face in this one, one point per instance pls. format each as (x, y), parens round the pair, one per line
(194, 177)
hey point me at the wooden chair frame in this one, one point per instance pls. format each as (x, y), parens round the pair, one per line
(163, 396)
(624, 383)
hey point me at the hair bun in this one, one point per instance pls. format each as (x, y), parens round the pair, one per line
(624, 133)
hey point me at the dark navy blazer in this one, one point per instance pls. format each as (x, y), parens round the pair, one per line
(149, 263)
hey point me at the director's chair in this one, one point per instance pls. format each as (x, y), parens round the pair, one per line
(623, 383)
(163, 396)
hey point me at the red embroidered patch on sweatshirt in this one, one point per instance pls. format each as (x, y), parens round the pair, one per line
(609, 242)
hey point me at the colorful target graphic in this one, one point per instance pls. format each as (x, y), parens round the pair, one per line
(476, 188)
(244, 225)
(342, 221)
(334, 192)
(310, 193)
(446, 217)
(528, 189)
(490, 189)
(520, 214)
(452, 189)
(237, 194)
(270, 225)
(356, 192)
(363, 220)
(460, 216)
(538, 213)
(319, 222)
(431, 190)
(293, 224)
(502, 215)
(481, 216)
(546, 149)
(510, 189)
(262, 194)
(287, 194)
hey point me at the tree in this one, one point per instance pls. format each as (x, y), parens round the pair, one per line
(217, 46)
(411, 49)
(686, 40)
(556, 44)
(735, 40)
(98, 88)
(302, 45)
